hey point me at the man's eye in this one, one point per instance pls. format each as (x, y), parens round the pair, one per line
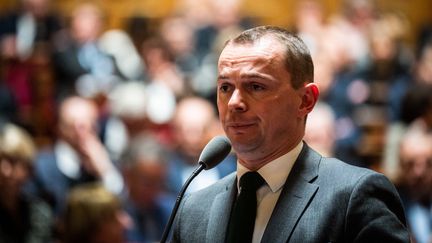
(257, 87)
(224, 88)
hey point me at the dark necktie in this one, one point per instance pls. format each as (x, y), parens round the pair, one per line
(242, 221)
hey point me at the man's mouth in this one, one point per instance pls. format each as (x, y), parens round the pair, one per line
(240, 125)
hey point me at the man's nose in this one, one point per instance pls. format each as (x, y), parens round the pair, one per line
(237, 102)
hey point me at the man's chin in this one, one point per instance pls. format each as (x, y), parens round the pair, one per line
(243, 146)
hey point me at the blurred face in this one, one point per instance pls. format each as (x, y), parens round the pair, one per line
(416, 162)
(261, 113)
(86, 23)
(13, 174)
(320, 131)
(191, 130)
(77, 114)
(178, 35)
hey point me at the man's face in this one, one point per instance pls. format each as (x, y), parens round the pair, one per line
(77, 115)
(259, 109)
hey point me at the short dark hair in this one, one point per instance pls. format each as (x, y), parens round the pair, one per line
(298, 60)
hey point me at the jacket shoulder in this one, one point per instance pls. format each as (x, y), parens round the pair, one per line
(214, 189)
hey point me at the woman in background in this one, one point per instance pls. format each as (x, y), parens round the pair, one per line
(22, 219)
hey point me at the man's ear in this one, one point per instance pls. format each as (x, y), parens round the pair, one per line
(309, 98)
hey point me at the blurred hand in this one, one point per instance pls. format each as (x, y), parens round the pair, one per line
(95, 157)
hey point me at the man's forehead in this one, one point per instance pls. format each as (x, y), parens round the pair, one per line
(261, 51)
(265, 43)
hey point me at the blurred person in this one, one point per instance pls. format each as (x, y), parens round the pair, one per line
(80, 64)
(197, 13)
(178, 33)
(354, 22)
(22, 218)
(414, 181)
(161, 66)
(320, 129)
(144, 167)
(194, 124)
(93, 215)
(309, 23)
(135, 107)
(283, 191)
(415, 104)
(77, 156)
(127, 116)
(383, 80)
(32, 23)
(345, 90)
(222, 16)
(416, 108)
(388, 71)
(120, 46)
(26, 41)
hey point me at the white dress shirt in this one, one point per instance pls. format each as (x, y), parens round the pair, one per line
(275, 174)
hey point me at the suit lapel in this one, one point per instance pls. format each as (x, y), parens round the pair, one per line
(298, 191)
(219, 212)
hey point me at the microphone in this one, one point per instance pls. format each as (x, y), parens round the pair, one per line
(212, 154)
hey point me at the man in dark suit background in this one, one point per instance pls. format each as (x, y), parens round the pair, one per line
(265, 92)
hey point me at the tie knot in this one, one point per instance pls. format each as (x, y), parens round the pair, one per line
(251, 181)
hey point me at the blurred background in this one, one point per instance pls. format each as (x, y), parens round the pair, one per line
(118, 98)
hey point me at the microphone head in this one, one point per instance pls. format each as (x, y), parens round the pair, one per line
(214, 152)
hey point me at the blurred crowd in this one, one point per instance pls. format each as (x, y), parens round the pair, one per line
(100, 128)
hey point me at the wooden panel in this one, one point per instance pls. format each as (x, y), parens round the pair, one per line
(6, 5)
(278, 12)
(418, 13)
(282, 12)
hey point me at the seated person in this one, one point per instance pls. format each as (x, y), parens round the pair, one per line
(144, 167)
(22, 218)
(92, 215)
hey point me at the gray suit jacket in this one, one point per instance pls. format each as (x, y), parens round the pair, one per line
(323, 200)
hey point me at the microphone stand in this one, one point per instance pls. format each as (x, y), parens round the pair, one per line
(178, 200)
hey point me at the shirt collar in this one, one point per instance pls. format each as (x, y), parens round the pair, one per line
(276, 172)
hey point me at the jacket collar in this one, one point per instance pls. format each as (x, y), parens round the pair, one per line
(298, 191)
(220, 211)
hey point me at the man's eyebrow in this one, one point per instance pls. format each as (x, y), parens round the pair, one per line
(222, 77)
(253, 75)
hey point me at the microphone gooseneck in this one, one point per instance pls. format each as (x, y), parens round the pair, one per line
(213, 153)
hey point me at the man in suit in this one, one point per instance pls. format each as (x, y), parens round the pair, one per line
(265, 91)
(76, 157)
